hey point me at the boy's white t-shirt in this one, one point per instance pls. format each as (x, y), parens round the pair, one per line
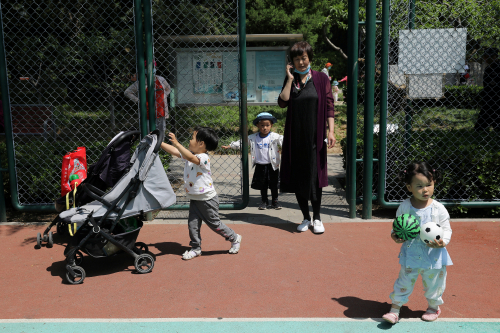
(262, 149)
(198, 182)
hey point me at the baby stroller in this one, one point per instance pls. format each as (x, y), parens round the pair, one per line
(113, 163)
(111, 224)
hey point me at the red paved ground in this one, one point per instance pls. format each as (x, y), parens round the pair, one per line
(346, 272)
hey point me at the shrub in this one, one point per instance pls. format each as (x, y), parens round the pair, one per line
(462, 97)
(470, 169)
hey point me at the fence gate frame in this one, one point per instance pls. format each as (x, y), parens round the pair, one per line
(143, 46)
(368, 160)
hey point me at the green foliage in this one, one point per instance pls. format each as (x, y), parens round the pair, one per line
(469, 168)
(462, 97)
(210, 17)
(285, 16)
(227, 119)
(84, 51)
(478, 16)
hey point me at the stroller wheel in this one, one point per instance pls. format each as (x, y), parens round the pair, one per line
(76, 276)
(144, 263)
(50, 241)
(39, 240)
(141, 248)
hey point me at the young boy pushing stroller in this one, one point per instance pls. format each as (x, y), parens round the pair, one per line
(198, 184)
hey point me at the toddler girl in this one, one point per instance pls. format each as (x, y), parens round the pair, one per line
(416, 257)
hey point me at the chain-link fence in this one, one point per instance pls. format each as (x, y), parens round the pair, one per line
(197, 51)
(69, 64)
(443, 96)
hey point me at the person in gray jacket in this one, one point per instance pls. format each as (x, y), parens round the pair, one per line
(265, 157)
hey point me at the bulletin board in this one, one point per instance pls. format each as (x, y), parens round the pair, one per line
(212, 77)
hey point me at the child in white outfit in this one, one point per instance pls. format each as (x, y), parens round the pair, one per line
(198, 184)
(416, 257)
(264, 150)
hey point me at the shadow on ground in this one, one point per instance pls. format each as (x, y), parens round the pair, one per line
(361, 308)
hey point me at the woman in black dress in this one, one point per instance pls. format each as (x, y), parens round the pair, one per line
(308, 96)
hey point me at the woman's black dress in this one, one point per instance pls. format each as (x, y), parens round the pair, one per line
(304, 171)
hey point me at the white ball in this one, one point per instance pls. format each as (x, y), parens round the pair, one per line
(430, 231)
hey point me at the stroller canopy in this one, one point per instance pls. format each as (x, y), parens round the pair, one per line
(154, 190)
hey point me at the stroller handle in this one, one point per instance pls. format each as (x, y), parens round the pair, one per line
(160, 136)
(125, 136)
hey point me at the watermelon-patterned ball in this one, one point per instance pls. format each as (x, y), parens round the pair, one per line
(406, 226)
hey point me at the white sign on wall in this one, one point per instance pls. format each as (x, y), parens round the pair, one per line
(231, 77)
(213, 77)
(426, 86)
(395, 77)
(207, 73)
(432, 51)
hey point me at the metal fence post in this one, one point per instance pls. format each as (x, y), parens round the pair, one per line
(384, 71)
(369, 109)
(148, 33)
(243, 103)
(352, 104)
(139, 47)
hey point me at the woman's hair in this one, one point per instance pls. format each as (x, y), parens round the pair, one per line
(299, 48)
(422, 167)
(208, 136)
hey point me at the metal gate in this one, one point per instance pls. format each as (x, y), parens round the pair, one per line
(429, 84)
(67, 65)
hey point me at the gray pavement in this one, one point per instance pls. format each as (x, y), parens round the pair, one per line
(334, 205)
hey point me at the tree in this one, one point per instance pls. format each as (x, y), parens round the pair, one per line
(70, 49)
(480, 17)
(287, 16)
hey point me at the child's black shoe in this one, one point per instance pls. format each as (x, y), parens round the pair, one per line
(263, 205)
(276, 205)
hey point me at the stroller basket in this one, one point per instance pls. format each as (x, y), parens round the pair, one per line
(102, 247)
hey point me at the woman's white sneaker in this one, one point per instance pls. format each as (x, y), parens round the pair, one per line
(304, 225)
(318, 227)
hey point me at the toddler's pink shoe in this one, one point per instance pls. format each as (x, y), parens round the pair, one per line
(431, 314)
(391, 317)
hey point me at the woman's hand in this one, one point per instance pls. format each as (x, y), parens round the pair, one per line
(436, 244)
(331, 139)
(396, 238)
(173, 139)
(289, 70)
(225, 147)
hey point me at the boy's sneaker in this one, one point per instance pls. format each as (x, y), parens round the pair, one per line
(304, 225)
(263, 205)
(276, 205)
(235, 246)
(191, 254)
(318, 227)
(431, 314)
